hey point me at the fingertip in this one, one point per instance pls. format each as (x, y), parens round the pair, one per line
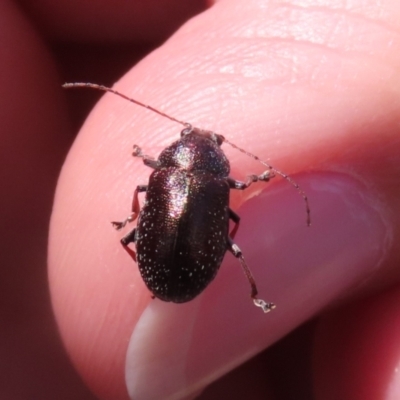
(194, 81)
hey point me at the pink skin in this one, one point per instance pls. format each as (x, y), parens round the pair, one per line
(307, 87)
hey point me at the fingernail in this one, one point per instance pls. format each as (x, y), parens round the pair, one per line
(177, 349)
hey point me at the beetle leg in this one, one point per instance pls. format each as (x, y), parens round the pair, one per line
(239, 185)
(234, 249)
(129, 238)
(147, 160)
(236, 219)
(135, 208)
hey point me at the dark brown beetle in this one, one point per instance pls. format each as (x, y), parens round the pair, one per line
(182, 232)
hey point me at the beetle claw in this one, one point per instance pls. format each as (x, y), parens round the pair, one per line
(266, 307)
(137, 151)
(266, 175)
(118, 225)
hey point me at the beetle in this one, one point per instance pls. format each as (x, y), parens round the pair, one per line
(182, 232)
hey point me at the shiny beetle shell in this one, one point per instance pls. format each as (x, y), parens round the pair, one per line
(181, 236)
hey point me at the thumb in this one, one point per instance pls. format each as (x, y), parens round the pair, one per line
(221, 73)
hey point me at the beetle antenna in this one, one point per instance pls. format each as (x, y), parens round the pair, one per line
(107, 89)
(187, 125)
(282, 174)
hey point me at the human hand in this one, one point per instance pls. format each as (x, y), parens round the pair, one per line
(305, 88)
